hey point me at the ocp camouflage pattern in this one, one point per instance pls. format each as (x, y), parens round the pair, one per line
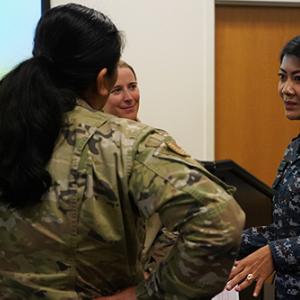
(85, 238)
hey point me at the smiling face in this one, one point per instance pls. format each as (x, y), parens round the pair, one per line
(124, 97)
(289, 86)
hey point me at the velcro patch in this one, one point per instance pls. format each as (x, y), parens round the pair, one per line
(177, 149)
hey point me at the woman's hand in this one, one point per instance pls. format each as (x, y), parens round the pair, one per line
(127, 294)
(257, 266)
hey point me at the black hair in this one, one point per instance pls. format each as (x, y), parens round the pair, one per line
(292, 47)
(72, 44)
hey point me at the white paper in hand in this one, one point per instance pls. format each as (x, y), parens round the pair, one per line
(227, 295)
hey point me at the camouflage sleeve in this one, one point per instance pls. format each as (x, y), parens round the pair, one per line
(286, 254)
(193, 203)
(254, 238)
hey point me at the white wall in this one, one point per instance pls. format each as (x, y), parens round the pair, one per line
(170, 44)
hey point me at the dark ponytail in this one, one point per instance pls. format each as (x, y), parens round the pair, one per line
(72, 44)
(31, 112)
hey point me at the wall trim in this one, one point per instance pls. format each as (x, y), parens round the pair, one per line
(295, 3)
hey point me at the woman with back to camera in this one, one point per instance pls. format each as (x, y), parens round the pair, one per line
(277, 247)
(77, 184)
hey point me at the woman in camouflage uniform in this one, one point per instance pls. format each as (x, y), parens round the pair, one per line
(123, 102)
(76, 184)
(277, 247)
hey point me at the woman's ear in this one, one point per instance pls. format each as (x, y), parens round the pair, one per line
(104, 83)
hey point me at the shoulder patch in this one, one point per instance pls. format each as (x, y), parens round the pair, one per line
(177, 149)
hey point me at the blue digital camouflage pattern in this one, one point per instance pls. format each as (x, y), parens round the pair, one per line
(85, 238)
(283, 235)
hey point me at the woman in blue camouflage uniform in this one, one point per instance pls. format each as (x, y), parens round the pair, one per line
(77, 184)
(277, 247)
